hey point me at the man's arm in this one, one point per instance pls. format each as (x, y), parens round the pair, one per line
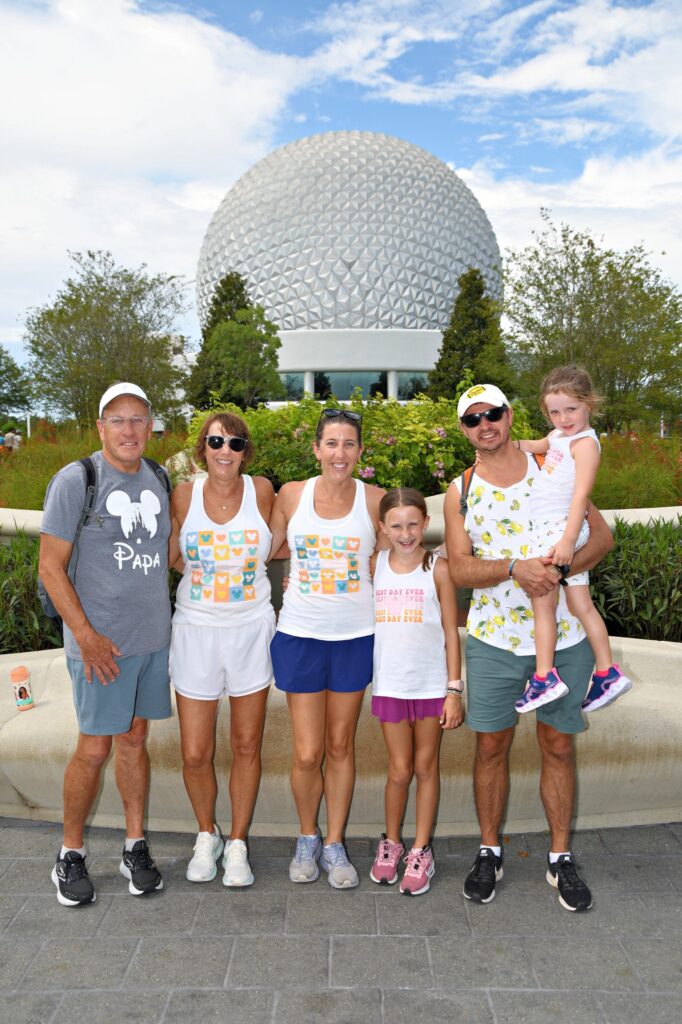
(97, 651)
(466, 570)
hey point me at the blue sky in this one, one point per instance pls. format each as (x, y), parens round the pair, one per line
(128, 120)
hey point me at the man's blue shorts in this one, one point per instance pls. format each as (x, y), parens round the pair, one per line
(305, 665)
(141, 690)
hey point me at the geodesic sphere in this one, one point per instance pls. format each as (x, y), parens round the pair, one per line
(349, 230)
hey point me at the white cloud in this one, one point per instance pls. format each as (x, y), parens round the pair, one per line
(628, 201)
(123, 124)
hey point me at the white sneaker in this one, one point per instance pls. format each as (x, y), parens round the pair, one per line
(236, 864)
(207, 850)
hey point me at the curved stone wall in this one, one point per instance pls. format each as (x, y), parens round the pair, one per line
(628, 759)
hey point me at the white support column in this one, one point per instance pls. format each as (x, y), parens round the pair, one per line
(392, 384)
(309, 382)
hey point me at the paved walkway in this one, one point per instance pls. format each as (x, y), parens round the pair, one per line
(281, 953)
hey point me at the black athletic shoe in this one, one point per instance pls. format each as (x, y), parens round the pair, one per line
(141, 871)
(70, 875)
(479, 884)
(564, 876)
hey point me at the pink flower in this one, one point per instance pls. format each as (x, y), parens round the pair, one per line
(441, 432)
(366, 472)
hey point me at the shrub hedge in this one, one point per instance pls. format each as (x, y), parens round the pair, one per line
(637, 588)
(418, 444)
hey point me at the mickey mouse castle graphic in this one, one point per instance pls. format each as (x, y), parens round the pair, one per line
(133, 514)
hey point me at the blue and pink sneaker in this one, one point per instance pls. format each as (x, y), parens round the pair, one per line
(539, 692)
(605, 689)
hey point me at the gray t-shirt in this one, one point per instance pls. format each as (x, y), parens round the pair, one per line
(121, 576)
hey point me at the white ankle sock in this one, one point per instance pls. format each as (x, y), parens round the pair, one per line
(553, 857)
(497, 850)
(74, 849)
(131, 842)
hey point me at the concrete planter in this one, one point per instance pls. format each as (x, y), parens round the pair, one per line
(629, 767)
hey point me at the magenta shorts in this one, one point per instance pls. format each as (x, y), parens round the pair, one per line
(395, 709)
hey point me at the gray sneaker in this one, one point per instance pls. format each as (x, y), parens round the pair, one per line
(334, 860)
(303, 868)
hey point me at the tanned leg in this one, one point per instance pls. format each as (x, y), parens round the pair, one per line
(197, 744)
(557, 782)
(427, 737)
(580, 604)
(343, 710)
(132, 774)
(307, 711)
(81, 782)
(491, 781)
(247, 719)
(399, 739)
(544, 620)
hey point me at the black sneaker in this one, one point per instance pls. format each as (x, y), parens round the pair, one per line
(564, 876)
(141, 871)
(479, 884)
(70, 875)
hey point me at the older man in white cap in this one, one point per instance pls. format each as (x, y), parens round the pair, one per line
(487, 519)
(113, 599)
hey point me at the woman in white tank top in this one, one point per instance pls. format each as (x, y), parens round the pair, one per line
(322, 651)
(221, 633)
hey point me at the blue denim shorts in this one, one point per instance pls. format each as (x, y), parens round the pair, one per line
(140, 690)
(302, 664)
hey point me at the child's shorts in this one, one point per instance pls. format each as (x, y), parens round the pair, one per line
(397, 709)
(544, 535)
(210, 662)
(302, 664)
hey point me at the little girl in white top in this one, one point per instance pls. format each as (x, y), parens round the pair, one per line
(416, 652)
(559, 498)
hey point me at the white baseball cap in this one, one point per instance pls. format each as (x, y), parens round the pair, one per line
(481, 393)
(116, 390)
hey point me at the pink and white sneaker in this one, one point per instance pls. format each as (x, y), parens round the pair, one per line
(419, 871)
(384, 870)
(605, 689)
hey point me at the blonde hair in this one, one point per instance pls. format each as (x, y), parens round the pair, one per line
(405, 497)
(573, 381)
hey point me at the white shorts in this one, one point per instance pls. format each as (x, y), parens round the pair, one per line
(544, 535)
(210, 662)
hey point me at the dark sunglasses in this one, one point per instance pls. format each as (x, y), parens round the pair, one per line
(472, 419)
(332, 414)
(216, 442)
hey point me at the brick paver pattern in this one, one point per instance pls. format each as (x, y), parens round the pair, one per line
(279, 952)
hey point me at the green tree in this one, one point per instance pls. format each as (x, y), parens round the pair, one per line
(570, 300)
(14, 386)
(107, 323)
(229, 297)
(231, 294)
(242, 354)
(471, 341)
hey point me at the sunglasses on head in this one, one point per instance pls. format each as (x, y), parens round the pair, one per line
(216, 442)
(331, 414)
(472, 419)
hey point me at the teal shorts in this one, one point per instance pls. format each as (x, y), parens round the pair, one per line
(141, 690)
(497, 678)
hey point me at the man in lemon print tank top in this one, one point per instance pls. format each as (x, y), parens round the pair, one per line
(487, 547)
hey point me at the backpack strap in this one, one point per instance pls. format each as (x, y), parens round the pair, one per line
(467, 475)
(464, 487)
(161, 472)
(88, 504)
